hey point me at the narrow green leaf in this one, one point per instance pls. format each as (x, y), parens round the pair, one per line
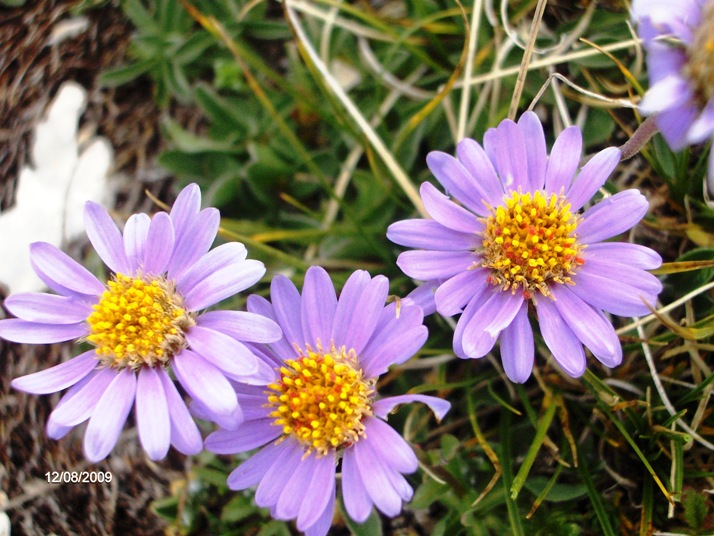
(541, 431)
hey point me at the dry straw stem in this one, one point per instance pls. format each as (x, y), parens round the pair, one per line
(375, 141)
(523, 69)
(468, 69)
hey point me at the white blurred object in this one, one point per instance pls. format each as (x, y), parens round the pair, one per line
(4, 519)
(51, 194)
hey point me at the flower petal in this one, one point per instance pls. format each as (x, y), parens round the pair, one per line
(319, 495)
(456, 292)
(136, 232)
(494, 315)
(152, 414)
(224, 283)
(396, 339)
(105, 238)
(191, 246)
(423, 296)
(295, 491)
(319, 303)
(204, 383)
(58, 431)
(358, 310)
(185, 436)
(612, 216)
(109, 416)
(593, 330)
(159, 244)
(457, 181)
(185, 208)
(47, 308)
(426, 265)
(279, 474)
(219, 258)
(517, 347)
(429, 234)
(252, 471)
(357, 501)
(16, 330)
(506, 148)
(249, 435)
(674, 124)
(592, 176)
(286, 304)
(446, 212)
(560, 339)
(59, 377)
(222, 351)
(536, 151)
(241, 325)
(564, 160)
(610, 295)
(59, 271)
(81, 405)
(623, 273)
(668, 92)
(402, 346)
(375, 479)
(382, 408)
(322, 526)
(392, 447)
(703, 127)
(633, 255)
(474, 159)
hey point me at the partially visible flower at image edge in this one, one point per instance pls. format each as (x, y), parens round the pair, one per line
(679, 40)
(516, 240)
(322, 405)
(143, 322)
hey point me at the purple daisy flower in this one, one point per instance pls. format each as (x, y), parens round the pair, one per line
(679, 42)
(516, 239)
(142, 322)
(321, 405)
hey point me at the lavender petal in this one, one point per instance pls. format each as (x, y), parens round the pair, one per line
(563, 161)
(152, 414)
(59, 377)
(517, 347)
(106, 238)
(109, 416)
(47, 308)
(60, 271)
(16, 330)
(159, 244)
(185, 436)
(318, 306)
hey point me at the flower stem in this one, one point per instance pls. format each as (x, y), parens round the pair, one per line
(642, 135)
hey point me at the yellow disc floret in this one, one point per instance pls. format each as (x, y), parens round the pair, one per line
(321, 398)
(138, 322)
(700, 67)
(530, 242)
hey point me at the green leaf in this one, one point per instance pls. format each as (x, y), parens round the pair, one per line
(696, 509)
(371, 527)
(126, 73)
(239, 507)
(558, 492)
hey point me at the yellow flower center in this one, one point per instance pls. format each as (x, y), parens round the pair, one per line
(700, 67)
(321, 398)
(530, 242)
(138, 322)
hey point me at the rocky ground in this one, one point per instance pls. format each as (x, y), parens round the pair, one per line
(31, 71)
